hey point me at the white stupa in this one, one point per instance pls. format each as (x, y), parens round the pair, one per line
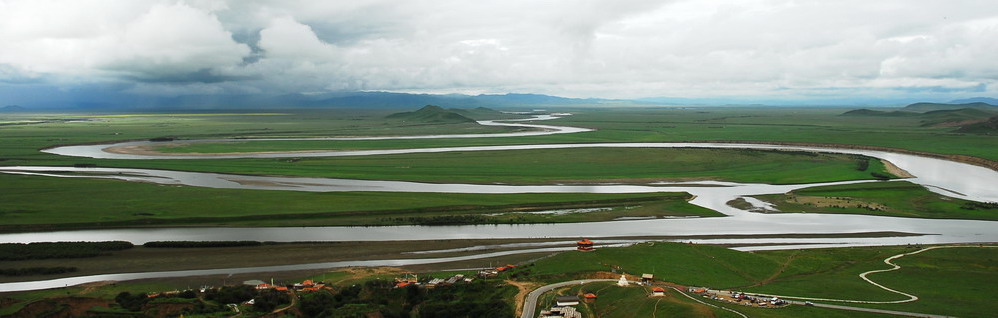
(622, 282)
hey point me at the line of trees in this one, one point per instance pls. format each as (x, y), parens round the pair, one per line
(29, 271)
(200, 244)
(980, 205)
(442, 220)
(46, 250)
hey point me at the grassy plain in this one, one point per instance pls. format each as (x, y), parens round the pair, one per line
(86, 203)
(27, 204)
(549, 166)
(634, 301)
(896, 198)
(814, 125)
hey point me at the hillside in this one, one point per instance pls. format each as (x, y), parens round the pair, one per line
(11, 109)
(480, 113)
(955, 117)
(431, 114)
(972, 118)
(927, 107)
(869, 112)
(988, 127)
(989, 100)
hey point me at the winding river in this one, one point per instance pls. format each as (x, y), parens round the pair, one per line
(947, 178)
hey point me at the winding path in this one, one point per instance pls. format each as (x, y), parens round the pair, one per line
(864, 275)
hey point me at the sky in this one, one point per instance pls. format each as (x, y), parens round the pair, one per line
(750, 50)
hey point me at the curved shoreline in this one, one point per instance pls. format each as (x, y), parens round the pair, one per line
(146, 150)
(977, 161)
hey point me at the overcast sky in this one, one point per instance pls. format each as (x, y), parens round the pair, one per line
(766, 49)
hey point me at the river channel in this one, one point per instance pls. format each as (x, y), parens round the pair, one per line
(945, 177)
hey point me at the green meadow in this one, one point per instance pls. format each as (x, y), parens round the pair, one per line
(550, 166)
(27, 204)
(634, 301)
(896, 198)
(809, 125)
(949, 281)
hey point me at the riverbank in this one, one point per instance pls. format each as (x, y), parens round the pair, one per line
(977, 161)
(147, 259)
(119, 204)
(896, 198)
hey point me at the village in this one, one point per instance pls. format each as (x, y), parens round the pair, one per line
(560, 305)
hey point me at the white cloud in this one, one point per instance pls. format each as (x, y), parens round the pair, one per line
(147, 40)
(575, 48)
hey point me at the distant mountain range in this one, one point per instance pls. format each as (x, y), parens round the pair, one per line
(927, 107)
(11, 109)
(986, 100)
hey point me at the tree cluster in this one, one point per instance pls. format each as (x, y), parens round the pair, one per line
(45, 250)
(131, 302)
(477, 299)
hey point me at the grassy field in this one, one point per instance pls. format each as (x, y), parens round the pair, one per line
(897, 198)
(955, 281)
(27, 204)
(819, 125)
(683, 264)
(634, 301)
(548, 166)
(952, 281)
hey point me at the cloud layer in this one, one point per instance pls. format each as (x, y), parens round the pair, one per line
(617, 49)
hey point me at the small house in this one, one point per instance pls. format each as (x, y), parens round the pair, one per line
(658, 292)
(488, 273)
(585, 245)
(567, 300)
(647, 278)
(561, 312)
(435, 282)
(455, 279)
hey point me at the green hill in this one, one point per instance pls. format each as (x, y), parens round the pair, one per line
(927, 107)
(432, 114)
(870, 112)
(479, 113)
(988, 127)
(11, 109)
(956, 117)
(975, 118)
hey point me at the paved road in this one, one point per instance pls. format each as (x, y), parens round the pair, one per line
(530, 304)
(879, 311)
